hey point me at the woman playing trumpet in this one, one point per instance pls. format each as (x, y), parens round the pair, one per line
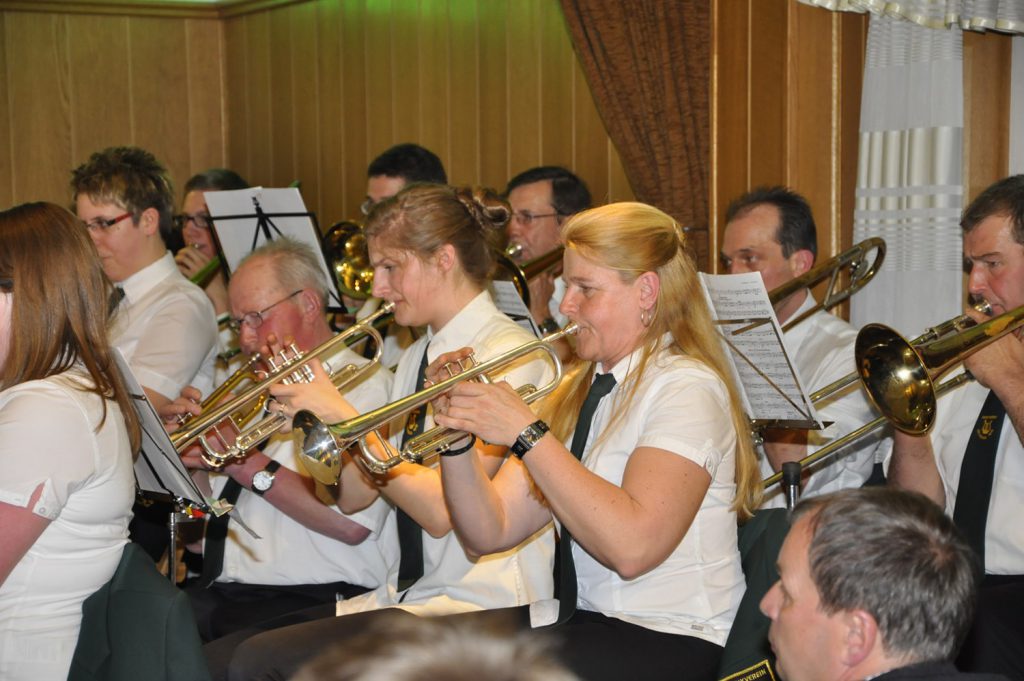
(431, 247)
(646, 483)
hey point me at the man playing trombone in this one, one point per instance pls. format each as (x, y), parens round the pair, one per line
(973, 462)
(771, 230)
(307, 552)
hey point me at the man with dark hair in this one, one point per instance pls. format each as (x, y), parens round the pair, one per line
(972, 463)
(165, 325)
(874, 584)
(771, 230)
(542, 199)
(400, 165)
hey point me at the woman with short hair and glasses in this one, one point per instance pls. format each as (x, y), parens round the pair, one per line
(67, 434)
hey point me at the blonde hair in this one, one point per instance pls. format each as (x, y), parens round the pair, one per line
(634, 238)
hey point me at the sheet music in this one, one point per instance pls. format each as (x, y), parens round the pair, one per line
(752, 337)
(508, 300)
(158, 468)
(239, 229)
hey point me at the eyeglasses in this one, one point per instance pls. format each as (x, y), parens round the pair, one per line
(254, 320)
(366, 206)
(104, 224)
(6, 284)
(200, 220)
(525, 218)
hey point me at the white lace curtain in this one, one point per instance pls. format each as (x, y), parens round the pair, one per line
(910, 163)
(969, 15)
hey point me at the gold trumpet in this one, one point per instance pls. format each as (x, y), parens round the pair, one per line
(899, 375)
(323, 443)
(288, 367)
(861, 273)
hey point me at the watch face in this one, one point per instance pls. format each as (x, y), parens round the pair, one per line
(262, 481)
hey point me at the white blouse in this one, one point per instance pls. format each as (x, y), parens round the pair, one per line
(49, 437)
(451, 581)
(682, 407)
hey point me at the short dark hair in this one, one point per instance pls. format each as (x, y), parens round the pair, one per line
(898, 556)
(797, 230)
(411, 162)
(215, 179)
(129, 177)
(569, 194)
(1005, 197)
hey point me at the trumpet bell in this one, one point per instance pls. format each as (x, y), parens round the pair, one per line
(318, 446)
(895, 378)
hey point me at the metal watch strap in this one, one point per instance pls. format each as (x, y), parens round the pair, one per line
(271, 468)
(529, 437)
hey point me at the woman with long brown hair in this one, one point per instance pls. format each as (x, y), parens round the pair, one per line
(67, 434)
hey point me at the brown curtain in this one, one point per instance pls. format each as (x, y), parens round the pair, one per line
(648, 66)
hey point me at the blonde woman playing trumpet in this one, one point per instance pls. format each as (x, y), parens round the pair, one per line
(645, 483)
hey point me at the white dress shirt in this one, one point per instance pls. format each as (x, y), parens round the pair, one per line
(956, 415)
(167, 330)
(680, 406)
(49, 437)
(451, 581)
(821, 348)
(287, 552)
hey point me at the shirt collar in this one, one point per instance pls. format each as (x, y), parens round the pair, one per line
(464, 326)
(798, 334)
(140, 283)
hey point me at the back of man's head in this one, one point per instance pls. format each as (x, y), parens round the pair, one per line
(129, 177)
(797, 230)
(411, 162)
(569, 194)
(1004, 198)
(897, 556)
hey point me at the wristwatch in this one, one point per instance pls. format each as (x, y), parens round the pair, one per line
(264, 479)
(529, 437)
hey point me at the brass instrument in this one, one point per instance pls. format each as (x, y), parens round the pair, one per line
(323, 443)
(899, 375)
(860, 274)
(292, 368)
(347, 255)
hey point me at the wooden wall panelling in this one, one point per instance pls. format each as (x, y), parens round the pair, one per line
(282, 94)
(590, 142)
(730, 112)
(500, 95)
(306, 95)
(811, 120)
(259, 96)
(618, 183)
(556, 86)
(986, 111)
(6, 162)
(380, 79)
(356, 106)
(408, 97)
(467, 87)
(329, 107)
(768, 72)
(437, 94)
(236, 98)
(201, 103)
(40, 112)
(525, 87)
(158, 81)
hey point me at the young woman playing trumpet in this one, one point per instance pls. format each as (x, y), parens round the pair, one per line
(432, 248)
